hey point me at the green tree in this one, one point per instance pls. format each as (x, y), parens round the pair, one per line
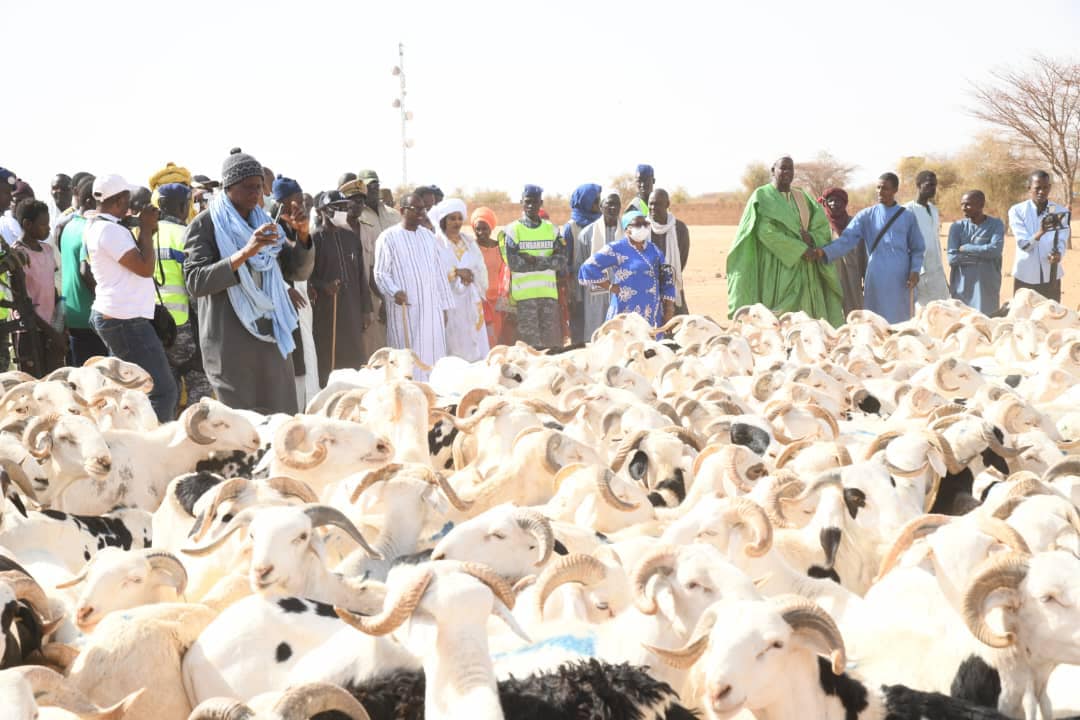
(755, 175)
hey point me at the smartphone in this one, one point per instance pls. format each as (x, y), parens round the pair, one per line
(277, 213)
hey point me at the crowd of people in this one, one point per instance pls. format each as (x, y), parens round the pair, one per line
(250, 290)
(794, 253)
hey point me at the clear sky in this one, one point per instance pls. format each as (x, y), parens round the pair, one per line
(556, 93)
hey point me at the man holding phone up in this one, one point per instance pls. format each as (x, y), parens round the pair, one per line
(1041, 229)
(246, 319)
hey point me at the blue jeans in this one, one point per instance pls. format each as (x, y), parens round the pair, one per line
(136, 342)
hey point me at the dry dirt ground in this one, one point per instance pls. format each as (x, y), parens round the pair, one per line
(705, 280)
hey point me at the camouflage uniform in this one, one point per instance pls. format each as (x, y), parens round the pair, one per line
(185, 359)
(539, 323)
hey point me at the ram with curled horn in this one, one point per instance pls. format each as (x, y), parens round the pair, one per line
(300, 702)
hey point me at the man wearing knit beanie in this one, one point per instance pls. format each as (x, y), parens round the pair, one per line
(238, 261)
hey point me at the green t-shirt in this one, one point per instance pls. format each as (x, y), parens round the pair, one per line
(77, 297)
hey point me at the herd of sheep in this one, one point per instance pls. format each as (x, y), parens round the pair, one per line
(759, 518)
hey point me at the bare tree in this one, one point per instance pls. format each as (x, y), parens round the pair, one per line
(822, 173)
(1041, 105)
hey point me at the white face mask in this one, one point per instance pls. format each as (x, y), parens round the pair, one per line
(341, 219)
(640, 234)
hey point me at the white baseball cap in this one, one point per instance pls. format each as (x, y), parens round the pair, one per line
(107, 186)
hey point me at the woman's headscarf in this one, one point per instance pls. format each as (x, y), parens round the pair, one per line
(839, 219)
(483, 213)
(582, 202)
(447, 207)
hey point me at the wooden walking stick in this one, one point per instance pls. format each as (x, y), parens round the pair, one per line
(405, 324)
(333, 337)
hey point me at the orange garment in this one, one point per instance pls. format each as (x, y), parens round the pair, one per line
(498, 287)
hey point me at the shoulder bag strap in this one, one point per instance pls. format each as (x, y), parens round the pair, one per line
(885, 230)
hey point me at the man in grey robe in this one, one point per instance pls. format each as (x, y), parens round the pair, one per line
(245, 371)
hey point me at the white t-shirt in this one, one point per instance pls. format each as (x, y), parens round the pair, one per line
(120, 293)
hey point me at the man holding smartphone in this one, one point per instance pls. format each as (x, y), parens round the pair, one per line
(245, 316)
(1041, 229)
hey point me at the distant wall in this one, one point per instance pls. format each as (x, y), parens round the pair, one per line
(694, 213)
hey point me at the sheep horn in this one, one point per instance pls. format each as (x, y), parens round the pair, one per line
(823, 414)
(495, 582)
(324, 515)
(169, 564)
(1068, 466)
(604, 476)
(193, 418)
(551, 447)
(372, 477)
(683, 658)
(53, 689)
(996, 446)
(59, 656)
(563, 416)
(228, 490)
(452, 497)
(378, 358)
(900, 472)
(627, 446)
(124, 374)
(103, 395)
(17, 475)
(469, 425)
(780, 410)
(669, 325)
(241, 519)
(752, 516)
(687, 436)
(943, 446)
(660, 560)
(831, 478)
(1003, 533)
(397, 609)
(1002, 571)
(289, 436)
(790, 451)
(880, 442)
(805, 615)
(420, 363)
(785, 487)
(78, 578)
(912, 531)
(306, 701)
(948, 364)
(291, 487)
(18, 392)
(222, 709)
(37, 439)
(342, 405)
(26, 589)
(760, 392)
(579, 568)
(533, 522)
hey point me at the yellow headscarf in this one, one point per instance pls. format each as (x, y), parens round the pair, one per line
(170, 174)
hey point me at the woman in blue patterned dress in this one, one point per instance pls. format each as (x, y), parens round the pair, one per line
(640, 279)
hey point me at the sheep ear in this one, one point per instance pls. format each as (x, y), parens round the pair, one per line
(937, 462)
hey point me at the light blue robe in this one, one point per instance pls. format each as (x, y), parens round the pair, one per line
(974, 253)
(899, 253)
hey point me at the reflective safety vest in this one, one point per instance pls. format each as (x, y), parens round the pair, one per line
(640, 205)
(539, 242)
(169, 273)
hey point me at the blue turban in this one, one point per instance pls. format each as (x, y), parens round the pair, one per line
(284, 187)
(581, 204)
(645, 170)
(629, 216)
(178, 192)
(532, 191)
(7, 177)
